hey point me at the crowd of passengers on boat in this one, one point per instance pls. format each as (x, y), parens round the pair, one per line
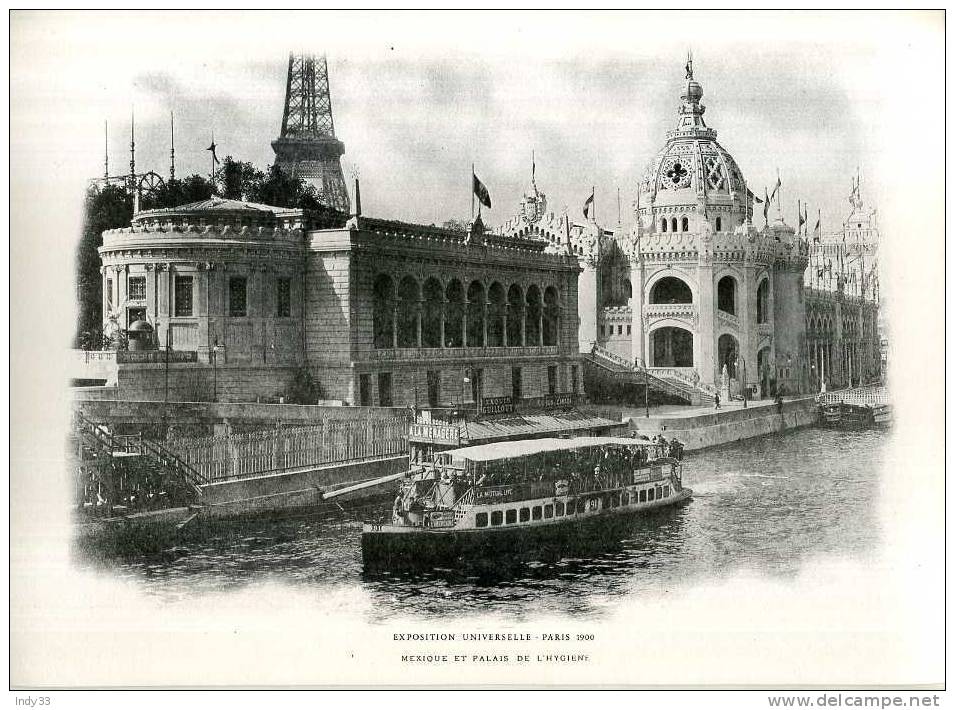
(541, 474)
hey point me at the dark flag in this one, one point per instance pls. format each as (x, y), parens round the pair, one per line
(480, 191)
(779, 184)
(589, 203)
(766, 205)
(213, 149)
(802, 219)
(752, 196)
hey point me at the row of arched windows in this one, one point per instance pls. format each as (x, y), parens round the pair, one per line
(683, 225)
(406, 315)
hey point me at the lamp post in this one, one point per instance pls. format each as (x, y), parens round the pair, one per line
(165, 396)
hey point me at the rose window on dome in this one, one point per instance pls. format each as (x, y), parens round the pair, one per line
(676, 175)
(715, 175)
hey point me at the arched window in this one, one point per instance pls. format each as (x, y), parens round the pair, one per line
(534, 315)
(686, 224)
(496, 313)
(719, 224)
(673, 224)
(551, 312)
(670, 289)
(476, 314)
(726, 295)
(431, 320)
(663, 224)
(515, 316)
(454, 315)
(762, 304)
(408, 297)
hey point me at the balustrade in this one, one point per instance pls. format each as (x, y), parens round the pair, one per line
(464, 353)
(670, 310)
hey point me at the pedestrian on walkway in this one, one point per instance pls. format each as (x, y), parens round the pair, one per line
(716, 400)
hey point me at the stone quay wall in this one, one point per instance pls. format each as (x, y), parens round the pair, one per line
(725, 426)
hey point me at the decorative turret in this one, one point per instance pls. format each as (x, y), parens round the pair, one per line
(693, 178)
(691, 112)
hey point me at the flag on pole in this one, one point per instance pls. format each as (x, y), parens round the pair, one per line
(480, 191)
(752, 196)
(589, 203)
(766, 205)
(802, 221)
(817, 230)
(779, 184)
(212, 147)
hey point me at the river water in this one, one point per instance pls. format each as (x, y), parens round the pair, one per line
(767, 505)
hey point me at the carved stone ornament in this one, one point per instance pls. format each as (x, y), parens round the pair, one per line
(674, 174)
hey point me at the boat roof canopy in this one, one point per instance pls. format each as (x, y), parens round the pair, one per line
(529, 447)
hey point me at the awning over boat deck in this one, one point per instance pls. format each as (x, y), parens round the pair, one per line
(523, 426)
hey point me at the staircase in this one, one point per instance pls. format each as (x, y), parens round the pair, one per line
(697, 392)
(667, 381)
(125, 473)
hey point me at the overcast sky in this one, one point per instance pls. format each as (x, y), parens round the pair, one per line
(417, 99)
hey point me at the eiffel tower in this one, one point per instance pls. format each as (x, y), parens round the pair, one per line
(307, 147)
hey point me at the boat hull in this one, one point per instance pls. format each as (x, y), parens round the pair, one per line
(390, 548)
(852, 416)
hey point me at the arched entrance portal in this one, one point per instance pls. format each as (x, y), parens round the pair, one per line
(671, 347)
(727, 349)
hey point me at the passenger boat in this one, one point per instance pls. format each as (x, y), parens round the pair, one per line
(525, 498)
(840, 415)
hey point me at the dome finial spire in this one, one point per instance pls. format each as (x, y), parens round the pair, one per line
(689, 64)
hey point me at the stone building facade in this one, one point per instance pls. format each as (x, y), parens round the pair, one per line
(434, 317)
(694, 291)
(378, 312)
(219, 277)
(846, 336)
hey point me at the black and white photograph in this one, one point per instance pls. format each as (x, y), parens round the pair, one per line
(425, 349)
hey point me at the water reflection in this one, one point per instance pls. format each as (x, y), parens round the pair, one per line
(766, 505)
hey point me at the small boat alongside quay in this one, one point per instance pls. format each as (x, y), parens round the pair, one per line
(839, 415)
(858, 408)
(527, 498)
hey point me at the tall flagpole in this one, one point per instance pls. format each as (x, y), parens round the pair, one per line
(172, 146)
(472, 192)
(779, 196)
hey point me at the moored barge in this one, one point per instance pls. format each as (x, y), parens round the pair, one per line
(528, 498)
(842, 415)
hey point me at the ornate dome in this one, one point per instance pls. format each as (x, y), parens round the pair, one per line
(693, 174)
